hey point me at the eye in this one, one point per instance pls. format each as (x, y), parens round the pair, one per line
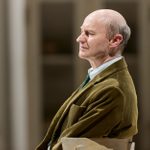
(87, 33)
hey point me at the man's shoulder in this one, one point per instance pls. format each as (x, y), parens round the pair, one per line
(108, 83)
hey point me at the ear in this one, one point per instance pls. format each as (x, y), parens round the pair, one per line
(115, 41)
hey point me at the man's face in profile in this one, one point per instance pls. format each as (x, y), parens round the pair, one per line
(93, 43)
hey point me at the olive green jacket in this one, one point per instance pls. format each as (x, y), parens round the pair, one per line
(105, 107)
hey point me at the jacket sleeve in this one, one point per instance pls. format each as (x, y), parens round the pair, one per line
(102, 114)
(100, 117)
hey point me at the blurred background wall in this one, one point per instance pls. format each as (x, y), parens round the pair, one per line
(37, 42)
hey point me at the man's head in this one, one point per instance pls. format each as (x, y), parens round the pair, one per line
(104, 34)
(115, 24)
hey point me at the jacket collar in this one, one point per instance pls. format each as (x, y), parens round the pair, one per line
(117, 66)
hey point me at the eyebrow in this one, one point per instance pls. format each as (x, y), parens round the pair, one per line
(90, 30)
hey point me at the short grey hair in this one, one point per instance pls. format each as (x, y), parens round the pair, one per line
(113, 27)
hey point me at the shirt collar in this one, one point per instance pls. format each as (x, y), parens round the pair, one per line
(93, 72)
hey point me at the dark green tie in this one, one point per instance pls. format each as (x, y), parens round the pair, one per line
(87, 79)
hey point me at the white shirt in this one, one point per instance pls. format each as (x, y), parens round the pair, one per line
(93, 72)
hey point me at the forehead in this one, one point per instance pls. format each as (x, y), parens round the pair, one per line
(92, 22)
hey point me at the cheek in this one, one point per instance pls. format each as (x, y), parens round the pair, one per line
(99, 44)
(100, 48)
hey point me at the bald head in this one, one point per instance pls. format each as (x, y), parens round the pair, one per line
(115, 23)
(108, 13)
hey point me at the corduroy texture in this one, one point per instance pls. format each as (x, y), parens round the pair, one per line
(105, 107)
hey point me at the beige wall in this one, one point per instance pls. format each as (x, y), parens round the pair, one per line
(3, 78)
(144, 73)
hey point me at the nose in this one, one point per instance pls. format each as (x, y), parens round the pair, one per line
(80, 38)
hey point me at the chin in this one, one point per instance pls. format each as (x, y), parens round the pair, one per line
(82, 56)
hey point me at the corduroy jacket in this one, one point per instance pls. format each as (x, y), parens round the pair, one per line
(105, 107)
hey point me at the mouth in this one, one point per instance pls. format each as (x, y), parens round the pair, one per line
(83, 48)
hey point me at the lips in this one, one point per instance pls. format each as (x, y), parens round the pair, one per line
(83, 47)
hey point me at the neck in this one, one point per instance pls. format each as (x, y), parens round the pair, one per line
(96, 63)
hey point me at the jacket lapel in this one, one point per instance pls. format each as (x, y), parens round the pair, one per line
(70, 101)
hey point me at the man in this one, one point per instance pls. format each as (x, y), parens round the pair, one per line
(107, 105)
